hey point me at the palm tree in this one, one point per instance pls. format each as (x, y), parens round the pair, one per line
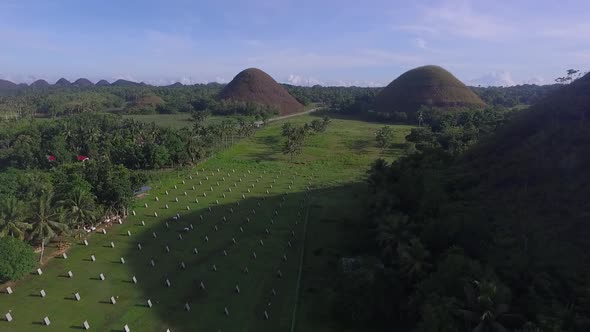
(12, 217)
(414, 259)
(80, 208)
(392, 231)
(47, 221)
(486, 307)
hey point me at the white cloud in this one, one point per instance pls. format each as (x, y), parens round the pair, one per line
(496, 78)
(538, 80)
(127, 77)
(360, 83)
(221, 80)
(310, 81)
(303, 81)
(187, 80)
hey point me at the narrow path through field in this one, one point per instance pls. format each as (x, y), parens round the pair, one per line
(293, 115)
(294, 318)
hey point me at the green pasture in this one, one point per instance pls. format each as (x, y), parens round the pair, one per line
(272, 200)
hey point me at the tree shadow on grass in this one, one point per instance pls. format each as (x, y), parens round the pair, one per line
(360, 145)
(272, 147)
(341, 116)
(268, 244)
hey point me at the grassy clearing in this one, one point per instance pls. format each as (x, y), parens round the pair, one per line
(331, 165)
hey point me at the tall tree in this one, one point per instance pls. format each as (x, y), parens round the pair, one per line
(414, 259)
(80, 208)
(384, 137)
(487, 307)
(47, 221)
(12, 218)
(295, 140)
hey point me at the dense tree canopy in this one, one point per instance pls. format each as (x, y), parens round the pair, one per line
(16, 259)
(64, 175)
(480, 227)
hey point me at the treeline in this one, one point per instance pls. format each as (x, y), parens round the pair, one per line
(228, 107)
(143, 99)
(64, 175)
(63, 101)
(497, 98)
(328, 95)
(511, 96)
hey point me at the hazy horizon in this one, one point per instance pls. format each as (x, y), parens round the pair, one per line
(331, 43)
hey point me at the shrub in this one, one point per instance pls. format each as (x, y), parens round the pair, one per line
(16, 259)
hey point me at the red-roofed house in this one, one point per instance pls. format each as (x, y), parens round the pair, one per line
(82, 158)
(51, 158)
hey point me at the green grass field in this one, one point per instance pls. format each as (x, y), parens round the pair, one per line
(268, 202)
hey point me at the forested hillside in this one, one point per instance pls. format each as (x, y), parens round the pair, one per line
(489, 238)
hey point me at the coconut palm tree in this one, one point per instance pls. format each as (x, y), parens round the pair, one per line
(12, 218)
(391, 232)
(486, 307)
(414, 259)
(80, 208)
(47, 221)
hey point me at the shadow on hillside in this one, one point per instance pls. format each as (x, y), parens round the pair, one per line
(213, 238)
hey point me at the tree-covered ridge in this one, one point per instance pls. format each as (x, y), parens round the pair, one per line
(487, 238)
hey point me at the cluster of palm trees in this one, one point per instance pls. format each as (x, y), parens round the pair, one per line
(47, 217)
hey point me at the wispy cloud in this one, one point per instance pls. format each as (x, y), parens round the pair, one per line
(459, 18)
(301, 80)
(302, 60)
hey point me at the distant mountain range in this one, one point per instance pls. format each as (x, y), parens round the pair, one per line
(6, 85)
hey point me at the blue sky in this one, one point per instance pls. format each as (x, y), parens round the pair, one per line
(302, 42)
